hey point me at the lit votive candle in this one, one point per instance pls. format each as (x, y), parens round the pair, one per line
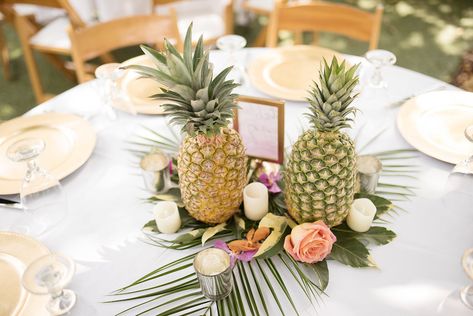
(361, 215)
(166, 215)
(255, 201)
(214, 272)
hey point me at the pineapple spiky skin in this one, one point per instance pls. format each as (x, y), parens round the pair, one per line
(212, 164)
(320, 177)
(320, 173)
(212, 175)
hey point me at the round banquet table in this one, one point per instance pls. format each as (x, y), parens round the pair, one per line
(102, 232)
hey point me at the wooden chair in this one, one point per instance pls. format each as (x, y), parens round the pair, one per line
(261, 8)
(50, 40)
(96, 40)
(4, 53)
(212, 18)
(320, 16)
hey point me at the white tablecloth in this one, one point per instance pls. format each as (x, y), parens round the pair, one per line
(417, 271)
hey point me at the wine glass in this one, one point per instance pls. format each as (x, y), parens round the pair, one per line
(379, 58)
(41, 195)
(49, 275)
(466, 294)
(460, 179)
(108, 76)
(231, 44)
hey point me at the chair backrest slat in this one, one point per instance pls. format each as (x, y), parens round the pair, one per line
(322, 16)
(96, 40)
(44, 3)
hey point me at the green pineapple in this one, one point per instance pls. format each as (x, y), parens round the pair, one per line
(212, 163)
(321, 170)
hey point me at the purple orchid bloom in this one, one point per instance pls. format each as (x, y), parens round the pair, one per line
(271, 181)
(244, 256)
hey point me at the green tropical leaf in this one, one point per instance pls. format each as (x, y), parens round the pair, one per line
(352, 252)
(321, 270)
(377, 234)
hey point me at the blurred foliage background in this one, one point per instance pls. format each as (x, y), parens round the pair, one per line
(428, 36)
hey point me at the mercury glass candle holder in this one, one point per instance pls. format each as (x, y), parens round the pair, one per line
(214, 272)
(156, 172)
(369, 169)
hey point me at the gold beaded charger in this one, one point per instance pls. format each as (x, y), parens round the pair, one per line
(69, 142)
(288, 72)
(16, 253)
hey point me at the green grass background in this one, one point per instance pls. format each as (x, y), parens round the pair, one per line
(428, 36)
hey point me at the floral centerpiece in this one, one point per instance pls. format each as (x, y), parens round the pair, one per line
(309, 197)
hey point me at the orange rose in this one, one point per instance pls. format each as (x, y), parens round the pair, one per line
(310, 242)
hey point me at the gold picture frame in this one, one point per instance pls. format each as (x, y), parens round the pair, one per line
(279, 104)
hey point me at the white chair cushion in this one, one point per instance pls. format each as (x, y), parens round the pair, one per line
(86, 9)
(53, 35)
(112, 9)
(43, 15)
(207, 15)
(266, 5)
(208, 25)
(193, 7)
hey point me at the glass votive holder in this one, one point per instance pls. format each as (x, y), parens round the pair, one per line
(156, 171)
(369, 169)
(214, 273)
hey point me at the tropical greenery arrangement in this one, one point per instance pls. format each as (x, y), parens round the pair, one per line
(309, 197)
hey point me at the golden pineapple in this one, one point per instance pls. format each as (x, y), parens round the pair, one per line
(321, 171)
(212, 164)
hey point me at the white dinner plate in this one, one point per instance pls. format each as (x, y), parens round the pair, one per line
(69, 142)
(16, 253)
(434, 123)
(288, 72)
(138, 90)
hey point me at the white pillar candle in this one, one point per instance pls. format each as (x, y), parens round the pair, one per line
(255, 201)
(361, 215)
(166, 215)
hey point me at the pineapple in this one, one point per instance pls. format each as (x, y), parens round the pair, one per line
(321, 170)
(212, 164)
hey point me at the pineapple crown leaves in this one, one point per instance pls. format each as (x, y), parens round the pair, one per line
(199, 102)
(330, 99)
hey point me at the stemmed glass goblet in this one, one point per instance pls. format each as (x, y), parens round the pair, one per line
(108, 76)
(49, 275)
(379, 58)
(41, 195)
(231, 44)
(466, 294)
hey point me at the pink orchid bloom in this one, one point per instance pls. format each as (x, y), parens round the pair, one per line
(271, 181)
(244, 256)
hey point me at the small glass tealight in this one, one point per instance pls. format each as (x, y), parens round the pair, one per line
(214, 272)
(155, 168)
(369, 170)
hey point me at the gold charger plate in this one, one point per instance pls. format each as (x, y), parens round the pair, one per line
(288, 72)
(434, 123)
(16, 253)
(139, 89)
(69, 141)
